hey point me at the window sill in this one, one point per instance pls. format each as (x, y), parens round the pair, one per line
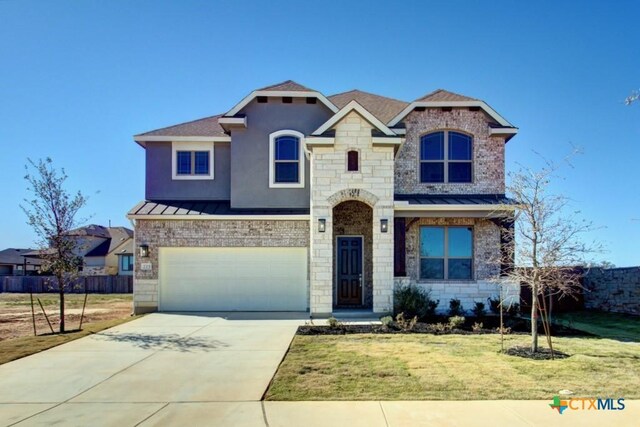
(192, 177)
(448, 281)
(281, 185)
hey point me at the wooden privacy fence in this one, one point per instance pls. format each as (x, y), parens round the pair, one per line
(89, 284)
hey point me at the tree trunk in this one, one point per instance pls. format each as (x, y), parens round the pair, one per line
(534, 318)
(61, 290)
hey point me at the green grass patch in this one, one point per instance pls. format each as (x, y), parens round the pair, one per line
(24, 346)
(450, 367)
(616, 326)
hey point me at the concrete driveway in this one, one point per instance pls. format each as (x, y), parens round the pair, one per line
(163, 369)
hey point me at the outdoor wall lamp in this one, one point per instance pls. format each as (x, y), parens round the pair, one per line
(384, 225)
(322, 225)
(143, 251)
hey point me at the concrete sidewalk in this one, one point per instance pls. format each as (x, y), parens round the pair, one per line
(206, 369)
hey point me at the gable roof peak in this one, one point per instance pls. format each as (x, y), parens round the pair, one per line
(444, 95)
(287, 85)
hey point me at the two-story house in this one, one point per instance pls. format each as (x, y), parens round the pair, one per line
(293, 201)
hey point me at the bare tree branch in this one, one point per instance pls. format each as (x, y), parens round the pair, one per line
(52, 214)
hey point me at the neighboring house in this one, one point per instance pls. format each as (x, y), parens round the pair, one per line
(103, 250)
(14, 263)
(293, 200)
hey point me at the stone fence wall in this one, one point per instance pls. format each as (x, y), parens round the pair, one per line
(615, 289)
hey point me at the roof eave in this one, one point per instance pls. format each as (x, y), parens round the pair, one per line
(459, 104)
(280, 93)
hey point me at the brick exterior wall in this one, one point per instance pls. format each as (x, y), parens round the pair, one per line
(332, 184)
(486, 252)
(205, 233)
(488, 153)
(356, 219)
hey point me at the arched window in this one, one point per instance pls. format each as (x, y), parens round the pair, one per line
(353, 163)
(451, 162)
(286, 160)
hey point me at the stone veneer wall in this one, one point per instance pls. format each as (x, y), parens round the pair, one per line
(486, 249)
(205, 233)
(356, 219)
(615, 289)
(332, 184)
(488, 153)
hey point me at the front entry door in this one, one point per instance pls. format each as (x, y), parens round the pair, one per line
(349, 269)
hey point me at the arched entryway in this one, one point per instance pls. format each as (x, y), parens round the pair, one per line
(353, 255)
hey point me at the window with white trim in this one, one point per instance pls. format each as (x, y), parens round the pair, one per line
(286, 159)
(446, 253)
(450, 162)
(192, 160)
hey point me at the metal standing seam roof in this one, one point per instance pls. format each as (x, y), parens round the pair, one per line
(454, 199)
(208, 207)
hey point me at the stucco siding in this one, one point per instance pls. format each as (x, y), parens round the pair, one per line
(161, 186)
(250, 152)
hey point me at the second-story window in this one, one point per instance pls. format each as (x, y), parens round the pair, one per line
(446, 156)
(192, 160)
(286, 168)
(192, 163)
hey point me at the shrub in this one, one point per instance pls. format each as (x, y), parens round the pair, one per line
(413, 301)
(456, 322)
(386, 321)
(479, 310)
(404, 324)
(439, 328)
(334, 323)
(477, 327)
(455, 307)
(494, 305)
(513, 309)
(510, 309)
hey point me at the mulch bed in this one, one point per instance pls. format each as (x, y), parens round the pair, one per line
(437, 326)
(541, 354)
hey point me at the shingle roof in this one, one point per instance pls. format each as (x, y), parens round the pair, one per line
(113, 237)
(289, 85)
(444, 95)
(16, 256)
(380, 106)
(207, 126)
(207, 207)
(454, 199)
(101, 250)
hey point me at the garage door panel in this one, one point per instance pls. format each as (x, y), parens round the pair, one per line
(225, 279)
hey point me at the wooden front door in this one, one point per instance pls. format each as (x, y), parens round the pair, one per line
(349, 271)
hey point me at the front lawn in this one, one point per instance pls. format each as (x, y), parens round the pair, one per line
(623, 327)
(450, 367)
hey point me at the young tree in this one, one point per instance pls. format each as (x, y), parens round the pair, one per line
(52, 215)
(549, 242)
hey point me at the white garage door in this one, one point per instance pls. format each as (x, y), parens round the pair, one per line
(229, 279)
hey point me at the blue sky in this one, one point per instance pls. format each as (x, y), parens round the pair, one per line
(79, 78)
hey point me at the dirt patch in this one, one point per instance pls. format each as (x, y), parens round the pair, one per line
(16, 318)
